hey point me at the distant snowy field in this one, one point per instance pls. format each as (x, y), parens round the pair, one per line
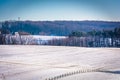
(48, 37)
(58, 63)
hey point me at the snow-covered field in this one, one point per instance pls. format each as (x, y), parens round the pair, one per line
(58, 63)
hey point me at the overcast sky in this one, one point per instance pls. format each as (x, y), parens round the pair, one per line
(107, 10)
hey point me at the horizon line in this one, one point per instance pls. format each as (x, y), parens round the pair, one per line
(63, 20)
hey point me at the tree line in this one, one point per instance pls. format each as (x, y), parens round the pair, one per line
(115, 33)
(104, 38)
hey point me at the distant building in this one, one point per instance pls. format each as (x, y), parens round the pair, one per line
(18, 38)
(16, 34)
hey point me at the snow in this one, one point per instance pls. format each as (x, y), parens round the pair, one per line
(30, 62)
(48, 37)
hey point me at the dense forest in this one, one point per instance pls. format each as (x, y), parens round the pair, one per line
(59, 28)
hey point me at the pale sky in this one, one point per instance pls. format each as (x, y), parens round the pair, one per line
(107, 10)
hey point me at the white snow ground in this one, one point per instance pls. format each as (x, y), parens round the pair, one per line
(31, 62)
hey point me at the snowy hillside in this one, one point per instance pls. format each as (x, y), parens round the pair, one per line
(58, 63)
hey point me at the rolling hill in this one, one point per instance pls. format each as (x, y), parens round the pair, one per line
(58, 63)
